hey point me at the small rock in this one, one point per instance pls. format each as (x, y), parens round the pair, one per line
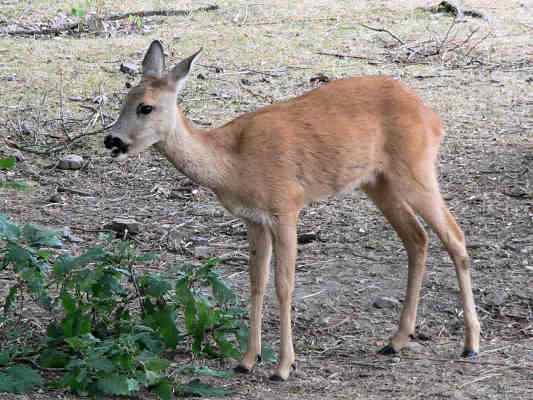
(101, 99)
(18, 156)
(423, 337)
(246, 82)
(203, 252)
(121, 225)
(496, 298)
(218, 70)
(56, 198)
(24, 129)
(201, 77)
(197, 239)
(320, 78)
(75, 98)
(67, 234)
(128, 85)
(385, 302)
(416, 347)
(71, 161)
(307, 237)
(129, 68)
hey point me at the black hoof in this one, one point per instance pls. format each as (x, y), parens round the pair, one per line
(276, 378)
(294, 366)
(470, 354)
(259, 358)
(387, 350)
(241, 369)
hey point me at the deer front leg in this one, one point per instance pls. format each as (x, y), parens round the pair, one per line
(260, 249)
(285, 248)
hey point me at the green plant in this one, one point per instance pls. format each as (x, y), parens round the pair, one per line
(8, 164)
(80, 9)
(112, 332)
(136, 22)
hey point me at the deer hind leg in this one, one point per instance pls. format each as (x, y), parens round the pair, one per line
(260, 247)
(403, 219)
(285, 249)
(432, 208)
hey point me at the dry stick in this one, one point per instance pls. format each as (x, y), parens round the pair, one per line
(339, 55)
(395, 37)
(56, 148)
(79, 25)
(469, 362)
(62, 189)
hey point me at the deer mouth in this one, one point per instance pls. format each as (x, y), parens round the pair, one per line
(116, 145)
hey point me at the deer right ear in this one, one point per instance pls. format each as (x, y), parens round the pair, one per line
(180, 72)
(154, 60)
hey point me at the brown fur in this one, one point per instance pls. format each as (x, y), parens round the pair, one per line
(264, 166)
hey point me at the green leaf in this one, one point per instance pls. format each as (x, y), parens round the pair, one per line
(5, 357)
(118, 385)
(51, 358)
(227, 349)
(154, 286)
(268, 354)
(19, 379)
(195, 388)
(17, 185)
(156, 364)
(163, 389)
(10, 298)
(39, 236)
(8, 230)
(163, 321)
(222, 292)
(7, 163)
(206, 371)
(67, 263)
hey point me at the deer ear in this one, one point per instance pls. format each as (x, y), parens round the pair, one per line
(180, 72)
(154, 60)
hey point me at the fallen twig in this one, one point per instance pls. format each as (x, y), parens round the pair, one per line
(395, 37)
(497, 364)
(62, 189)
(81, 27)
(339, 55)
(55, 149)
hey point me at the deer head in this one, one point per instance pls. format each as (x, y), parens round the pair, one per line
(149, 111)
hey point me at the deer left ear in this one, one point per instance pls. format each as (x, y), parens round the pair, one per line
(154, 60)
(180, 72)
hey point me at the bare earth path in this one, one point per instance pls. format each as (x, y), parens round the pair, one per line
(254, 53)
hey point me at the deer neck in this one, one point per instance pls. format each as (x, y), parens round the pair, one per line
(201, 155)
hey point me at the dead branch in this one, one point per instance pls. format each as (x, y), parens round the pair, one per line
(395, 37)
(80, 27)
(58, 148)
(339, 55)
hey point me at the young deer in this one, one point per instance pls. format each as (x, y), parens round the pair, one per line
(264, 166)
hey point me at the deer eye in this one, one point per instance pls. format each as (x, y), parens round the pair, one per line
(144, 109)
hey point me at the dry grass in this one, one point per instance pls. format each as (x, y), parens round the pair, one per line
(486, 172)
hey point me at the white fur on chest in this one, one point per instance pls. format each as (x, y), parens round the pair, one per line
(240, 210)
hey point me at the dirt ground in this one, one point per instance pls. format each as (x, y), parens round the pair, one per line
(56, 86)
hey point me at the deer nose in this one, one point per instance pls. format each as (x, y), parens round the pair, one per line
(113, 141)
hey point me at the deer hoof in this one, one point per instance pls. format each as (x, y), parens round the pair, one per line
(387, 350)
(470, 354)
(240, 369)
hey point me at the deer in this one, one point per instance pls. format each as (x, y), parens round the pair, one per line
(369, 132)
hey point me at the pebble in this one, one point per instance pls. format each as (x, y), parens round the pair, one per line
(71, 161)
(385, 302)
(129, 68)
(496, 298)
(120, 225)
(203, 252)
